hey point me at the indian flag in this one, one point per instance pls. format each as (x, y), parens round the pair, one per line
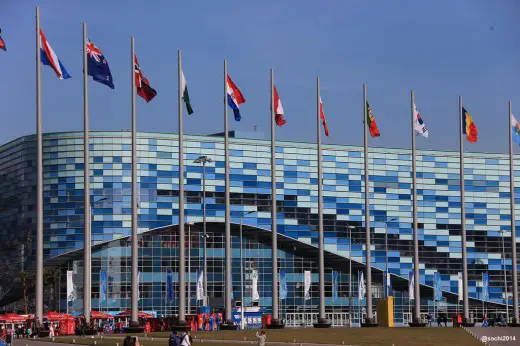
(185, 95)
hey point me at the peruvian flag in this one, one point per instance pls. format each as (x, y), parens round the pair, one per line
(278, 109)
(323, 119)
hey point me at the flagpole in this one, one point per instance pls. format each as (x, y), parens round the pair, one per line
(417, 293)
(135, 288)
(228, 320)
(39, 198)
(322, 322)
(87, 264)
(463, 221)
(182, 240)
(367, 214)
(274, 231)
(513, 223)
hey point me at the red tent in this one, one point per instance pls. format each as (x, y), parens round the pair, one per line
(56, 316)
(98, 315)
(12, 318)
(140, 314)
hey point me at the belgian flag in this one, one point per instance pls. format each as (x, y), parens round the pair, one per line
(468, 127)
(2, 42)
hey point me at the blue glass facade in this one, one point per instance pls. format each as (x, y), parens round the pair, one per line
(486, 182)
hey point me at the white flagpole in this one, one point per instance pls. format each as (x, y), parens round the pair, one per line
(513, 223)
(463, 221)
(367, 213)
(416, 273)
(182, 241)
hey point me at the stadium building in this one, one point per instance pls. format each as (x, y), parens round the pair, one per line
(439, 209)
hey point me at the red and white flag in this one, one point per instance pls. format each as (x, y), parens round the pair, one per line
(278, 109)
(323, 119)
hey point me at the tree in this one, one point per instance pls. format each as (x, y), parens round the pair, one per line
(27, 279)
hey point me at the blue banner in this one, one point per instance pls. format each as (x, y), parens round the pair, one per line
(103, 285)
(437, 290)
(170, 294)
(485, 286)
(252, 320)
(335, 285)
(283, 285)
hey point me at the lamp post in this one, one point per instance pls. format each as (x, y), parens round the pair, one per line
(242, 324)
(189, 223)
(505, 276)
(385, 284)
(204, 159)
(350, 228)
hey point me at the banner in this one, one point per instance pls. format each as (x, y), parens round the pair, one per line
(437, 290)
(255, 294)
(362, 290)
(138, 285)
(283, 285)
(411, 285)
(387, 284)
(307, 284)
(103, 285)
(460, 289)
(170, 294)
(485, 286)
(200, 284)
(70, 286)
(335, 285)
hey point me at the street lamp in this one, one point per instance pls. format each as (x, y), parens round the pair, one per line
(505, 275)
(204, 159)
(242, 322)
(385, 284)
(189, 223)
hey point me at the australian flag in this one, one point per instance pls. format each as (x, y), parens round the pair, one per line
(98, 65)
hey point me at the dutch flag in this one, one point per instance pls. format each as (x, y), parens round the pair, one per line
(234, 97)
(48, 57)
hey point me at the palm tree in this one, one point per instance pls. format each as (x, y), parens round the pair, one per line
(27, 279)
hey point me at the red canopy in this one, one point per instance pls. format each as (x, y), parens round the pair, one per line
(56, 316)
(12, 318)
(140, 314)
(98, 315)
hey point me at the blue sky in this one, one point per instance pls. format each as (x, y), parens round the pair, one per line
(441, 49)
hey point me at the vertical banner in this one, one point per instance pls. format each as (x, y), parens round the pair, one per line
(255, 294)
(362, 290)
(138, 286)
(485, 286)
(283, 285)
(437, 290)
(461, 291)
(411, 284)
(335, 285)
(70, 286)
(387, 284)
(307, 284)
(169, 286)
(103, 285)
(200, 284)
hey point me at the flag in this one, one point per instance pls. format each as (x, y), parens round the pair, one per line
(283, 285)
(323, 119)
(362, 290)
(234, 98)
(371, 123)
(468, 127)
(48, 57)
(185, 95)
(459, 284)
(411, 284)
(103, 285)
(2, 42)
(98, 66)
(278, 109)
(335, 285)
(387, 283)
(437, 291)
(419, 126)
(170, 294)
(255, 294)
(515, 128)
(138, 285)
(200, 284)
(307, 284)
(141, 83)
(70, 286)
(485, 286)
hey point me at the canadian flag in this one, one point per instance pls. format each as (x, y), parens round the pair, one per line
(323, 119)
(278, 109)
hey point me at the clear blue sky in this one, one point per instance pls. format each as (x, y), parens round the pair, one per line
(441, 49)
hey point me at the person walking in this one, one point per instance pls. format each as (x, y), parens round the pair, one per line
(185, 339)
(261, 337)
(174, 339)
(429, 319)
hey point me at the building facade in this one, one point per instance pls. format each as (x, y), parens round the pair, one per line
(439, 208)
